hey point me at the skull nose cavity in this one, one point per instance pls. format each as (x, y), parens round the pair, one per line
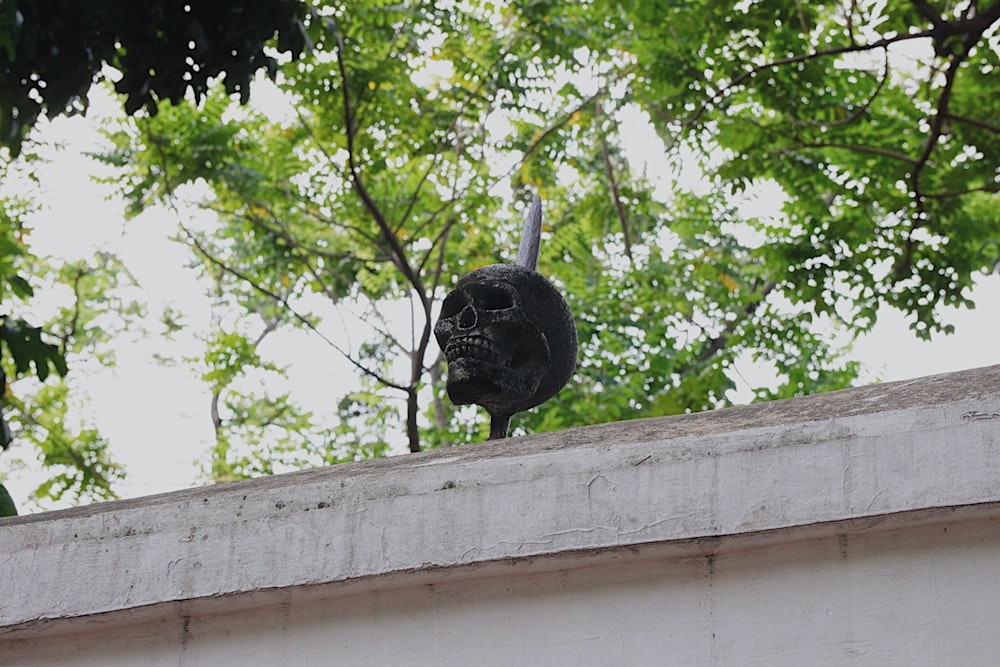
(467, 319)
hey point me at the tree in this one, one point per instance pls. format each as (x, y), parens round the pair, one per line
(82, 310)
(50, 55)
(412, 128)
(416, 132)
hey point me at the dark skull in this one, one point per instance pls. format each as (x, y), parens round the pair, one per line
(509, 339)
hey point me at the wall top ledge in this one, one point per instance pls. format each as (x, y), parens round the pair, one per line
(872, 451)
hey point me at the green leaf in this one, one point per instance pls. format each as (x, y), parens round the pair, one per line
(7, 507)
(27, 347)
(20, 286)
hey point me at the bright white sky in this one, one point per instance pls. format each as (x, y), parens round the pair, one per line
(157, 418)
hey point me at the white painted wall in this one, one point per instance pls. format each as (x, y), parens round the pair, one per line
(860, 527)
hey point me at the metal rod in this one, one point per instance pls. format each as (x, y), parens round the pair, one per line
(498, 426)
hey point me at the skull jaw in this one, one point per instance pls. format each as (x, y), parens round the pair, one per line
(498, 389)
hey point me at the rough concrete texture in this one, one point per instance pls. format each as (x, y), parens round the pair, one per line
(706, 484)
(916, 594)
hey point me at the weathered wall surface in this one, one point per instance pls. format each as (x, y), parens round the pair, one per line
(857, 527)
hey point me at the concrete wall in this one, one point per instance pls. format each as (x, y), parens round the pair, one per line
(858, 527)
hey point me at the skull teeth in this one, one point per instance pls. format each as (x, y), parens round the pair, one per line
(475, 347)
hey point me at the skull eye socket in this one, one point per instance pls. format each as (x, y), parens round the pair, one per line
(494, 298)
(453, 304)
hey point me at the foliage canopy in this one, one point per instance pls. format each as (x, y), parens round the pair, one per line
(51, 52)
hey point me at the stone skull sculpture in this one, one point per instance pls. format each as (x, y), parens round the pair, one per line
(509, 339)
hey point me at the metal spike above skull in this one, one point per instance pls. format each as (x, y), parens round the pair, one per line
(509, 339)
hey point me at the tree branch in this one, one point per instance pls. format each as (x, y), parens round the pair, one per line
(442, 244)
(974, 122)
(853, 117)
(391, 239)
(613, 185)
(75, 318)
(856, 148)
(567, 116)
(973, 30)
(283, 301)
(388, 235)
(718, 343)
(791, 60)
